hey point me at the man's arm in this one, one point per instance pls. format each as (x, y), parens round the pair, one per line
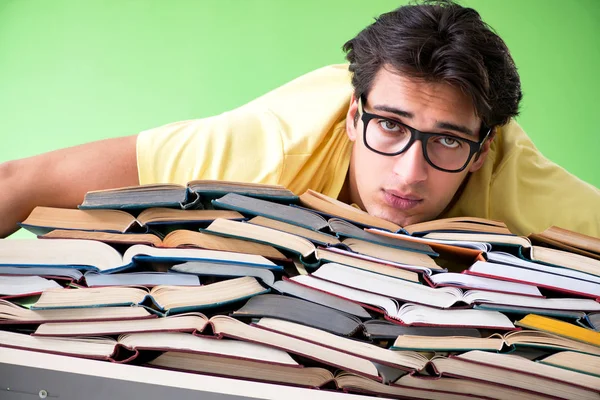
(61, 178)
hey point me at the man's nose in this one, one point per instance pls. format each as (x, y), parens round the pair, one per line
(411, 165)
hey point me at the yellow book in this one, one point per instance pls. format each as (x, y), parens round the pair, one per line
(560, 328)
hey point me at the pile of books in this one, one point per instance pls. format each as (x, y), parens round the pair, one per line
(252, 282)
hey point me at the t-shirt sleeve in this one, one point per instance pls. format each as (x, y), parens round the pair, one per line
(240, 145)
(531, 193)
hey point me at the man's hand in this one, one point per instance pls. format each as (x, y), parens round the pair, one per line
(61, 178)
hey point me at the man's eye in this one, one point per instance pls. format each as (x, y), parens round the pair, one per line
(449, 142)
(389, 126)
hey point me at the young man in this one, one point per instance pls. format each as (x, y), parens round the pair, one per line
(418, 127)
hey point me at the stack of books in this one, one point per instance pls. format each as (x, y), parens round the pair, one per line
(253, 282)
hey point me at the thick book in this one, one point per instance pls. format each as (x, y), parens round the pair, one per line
(565, 259)
(179, 238)
(100, 257)
(578, 362)
(179, 196)
(127, 347)
(163, 299)
(45, 219)
(568, 240)
(518, 372)
(560, 328)
(562, 281)
(300, 311)
(410, 314)
(193, 323)
(142, 197)
(436, 388)
(243, 368)
(511, 341)
(228, 327)
(406, 360)
(13, 314)
(68, 275)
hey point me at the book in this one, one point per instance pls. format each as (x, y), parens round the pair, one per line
(179, 238)
(240, 368)
(442, 297)
(212, 269)
(465, 281)
(141, 197)
(405, 360)
(100, 257)
(165, 299)
(578, 362)
(110, 349)
(565, 259)
(94, 348)
(307, 250)
(448, 386)
(568, 240)
(546, 279)
(14, 314)
(342, 229)
(45, 219)
(560, 328)
(64, 274)
(458, 224)
(300, 311)
(286, 287)
(213, 189)
(518, 372)
(378, 329)
(332, 207)
(256, 207)
(187, 196)
(309, 234)
(582, 270)
(228, 327)
(492, 238)
(24, 285)
(424, 387)
(193, 323)
(409, 314)
(146, 278)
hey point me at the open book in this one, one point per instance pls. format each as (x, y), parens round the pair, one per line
(495, 342)
(100, 257)
(332, 207)
(180, 238)
(179, 196)
(518, 372)
(568, 240)
(164, 299)
(410, 314)
(14, 314)
(45, 219)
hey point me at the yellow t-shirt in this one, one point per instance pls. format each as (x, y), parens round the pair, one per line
(295, 136)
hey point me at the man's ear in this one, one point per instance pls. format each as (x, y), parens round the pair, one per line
(351, 120)
(485, 149)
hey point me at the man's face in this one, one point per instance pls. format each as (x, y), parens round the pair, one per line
(404, 188)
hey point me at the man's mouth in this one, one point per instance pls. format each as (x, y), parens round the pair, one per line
(400, 200)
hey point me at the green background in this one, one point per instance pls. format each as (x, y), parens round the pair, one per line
(73, 71)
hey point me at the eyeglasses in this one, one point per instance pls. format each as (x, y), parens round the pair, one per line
(444, 152)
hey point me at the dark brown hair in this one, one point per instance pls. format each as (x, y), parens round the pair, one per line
(440, 41)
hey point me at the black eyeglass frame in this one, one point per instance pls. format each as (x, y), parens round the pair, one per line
(415, 134)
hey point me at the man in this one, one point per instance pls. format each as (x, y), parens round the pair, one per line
(424, 131)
